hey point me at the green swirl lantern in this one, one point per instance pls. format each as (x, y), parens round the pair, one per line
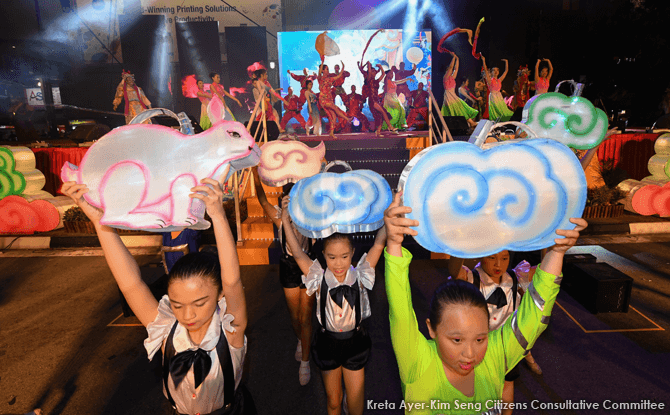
(12, 182)
(573, 121)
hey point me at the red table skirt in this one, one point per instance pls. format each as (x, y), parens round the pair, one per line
(50, 161)
(630, 152)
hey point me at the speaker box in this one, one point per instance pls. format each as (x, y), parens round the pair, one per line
(599, 287)
(579, 258)
(273, 130)
(457, 125)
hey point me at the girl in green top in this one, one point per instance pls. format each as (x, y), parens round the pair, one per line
(461, 369)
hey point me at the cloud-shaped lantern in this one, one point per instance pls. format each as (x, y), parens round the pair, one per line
(285, 162)
(339, 202)
(573, 121)
(472, 202)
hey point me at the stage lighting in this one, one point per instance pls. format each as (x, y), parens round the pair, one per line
(272, 65)
(39, 83)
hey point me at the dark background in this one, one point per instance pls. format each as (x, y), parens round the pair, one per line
(618, 48)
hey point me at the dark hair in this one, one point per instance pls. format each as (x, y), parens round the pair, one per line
(198, 80)
(455, 292)
(324, 66)
(309, 81)
(258, 73)
(463, 79)
(212, 75)
(197, 264)
(338, 237)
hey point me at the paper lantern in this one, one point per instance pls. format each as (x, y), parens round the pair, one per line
(288, 161)
(141, 175)
(573, 121)
(347, 202)
(472, 202)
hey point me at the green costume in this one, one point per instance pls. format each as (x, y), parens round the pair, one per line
(421, 371)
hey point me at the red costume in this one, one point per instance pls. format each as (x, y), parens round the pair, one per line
(292, 110)
(355, 103)
(326, 101)
(400, 75)
(418, 105)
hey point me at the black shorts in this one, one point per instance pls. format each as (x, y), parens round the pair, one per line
(513, 374)
(290, 274)
(330, 352)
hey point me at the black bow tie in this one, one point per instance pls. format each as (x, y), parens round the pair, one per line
(344, 291)
(497, 298)
(182, 362)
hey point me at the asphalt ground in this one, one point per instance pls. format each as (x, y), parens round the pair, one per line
(66, 348)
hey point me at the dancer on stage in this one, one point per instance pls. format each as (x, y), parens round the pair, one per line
(391, 101)
(217, 89)
(263, 89)
(204, 98)
(498, 111)
(463, 361)
(417, 106)
(542, 77)
(303, 81)
(337, 85)
(371, 92)
(522, 87)
(452, 105)
(313, 109)
(482, 94)
(292, 110)
(200, 324)
(341, 346)
(355, 103)
(401, 73)
(326, 81)
(465, 94)
(135, 100)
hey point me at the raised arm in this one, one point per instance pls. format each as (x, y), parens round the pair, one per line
(381, 69)
(411, 348)
(551, 69)
(300, 257)
(378, 248)
(124, 268)
(537, 70)
(487, 76)
(458, 63)
(450, 69)
(269, 209)
(341, 73)
(227, 250)
(502, 78)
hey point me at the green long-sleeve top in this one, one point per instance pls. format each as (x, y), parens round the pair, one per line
(424, 382)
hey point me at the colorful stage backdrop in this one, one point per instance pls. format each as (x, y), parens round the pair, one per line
(296, 52)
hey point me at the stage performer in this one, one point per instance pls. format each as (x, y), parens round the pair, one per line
(355, 103)
(418, 105)
(262, 88)
(522, 87)
(391, 101)
(463, 361)
(337, 85)
(292, 110)
(216, 88)
(341, 346)
(200, 324)
(204, 98)
(313, 109)
(401, 73)
(482, 94)
(326, 81)
(375, 99)
(502, 287)
(135, 100)
(466, 95)
(498, 111)
(303, 81)
(542, 77)
(452, 105)
(300, 305)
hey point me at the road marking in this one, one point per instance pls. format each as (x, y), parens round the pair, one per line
(657, 328)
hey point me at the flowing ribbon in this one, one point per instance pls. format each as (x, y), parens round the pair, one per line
(476, 54)
(368, 44)
(440, 46)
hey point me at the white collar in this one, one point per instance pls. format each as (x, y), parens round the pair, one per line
(183, 342)
(505, 281)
